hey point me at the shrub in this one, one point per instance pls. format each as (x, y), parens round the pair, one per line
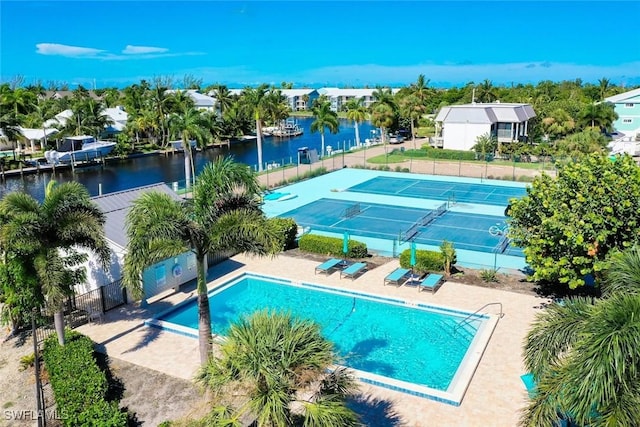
(79, 386)
(287, 229)
(436, 153)
(489, 275)
(331, 246)
(27, 361)
(425, 261)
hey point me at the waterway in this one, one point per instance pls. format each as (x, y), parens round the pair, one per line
(130, 173)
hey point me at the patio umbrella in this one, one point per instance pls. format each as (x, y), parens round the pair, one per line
(345, 243)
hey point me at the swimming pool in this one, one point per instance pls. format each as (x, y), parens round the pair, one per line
(419, 349)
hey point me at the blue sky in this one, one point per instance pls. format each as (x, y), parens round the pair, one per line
(325, 43)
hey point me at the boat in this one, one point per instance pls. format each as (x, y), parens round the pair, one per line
(81, 148)
(287, 129)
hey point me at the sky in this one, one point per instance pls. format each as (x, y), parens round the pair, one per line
(322, 43)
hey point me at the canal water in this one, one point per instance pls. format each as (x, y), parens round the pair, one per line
(131, 173)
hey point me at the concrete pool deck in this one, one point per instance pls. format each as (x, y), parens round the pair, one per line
(494, 397)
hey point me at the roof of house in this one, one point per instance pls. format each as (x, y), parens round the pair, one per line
(117, 114)
(486, 113)
(37, 134)
(199, 99)
(116, 207)
(356, 93)
(621, 97)
(297, 92)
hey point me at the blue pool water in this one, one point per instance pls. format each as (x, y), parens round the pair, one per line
(405, 343)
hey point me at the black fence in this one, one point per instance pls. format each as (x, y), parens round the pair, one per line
(80, 309)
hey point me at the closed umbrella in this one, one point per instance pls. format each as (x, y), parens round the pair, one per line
(345, 243)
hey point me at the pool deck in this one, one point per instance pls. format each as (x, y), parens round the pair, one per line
(495, 395)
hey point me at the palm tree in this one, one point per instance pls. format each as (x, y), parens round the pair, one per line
(160, 100)
(189, 125)
(382, 116)
(420, 89)
(604, 85)
(558, 123)
(223, 215)
(255, 100)
(413, 108)
(223, 97)
(486, 92)
(598, 115)
(48, 234)
(325, 117)
(281, 365)
(585, 355)
(357, 112)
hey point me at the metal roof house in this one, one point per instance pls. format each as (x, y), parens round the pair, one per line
(157, 278)
(458, 126)
(627, 106)
(201, 101)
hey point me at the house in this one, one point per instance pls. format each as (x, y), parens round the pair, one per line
(339, 97)
(201, 101)
(117, 115)
(300, 99)
(36, 137)
(627, 106)
(157, 278)
(458, 126)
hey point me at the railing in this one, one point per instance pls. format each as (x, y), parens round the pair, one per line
(475, 313)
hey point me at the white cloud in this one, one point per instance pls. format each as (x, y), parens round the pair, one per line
(129, 52)
(66, 50)
(137, 50)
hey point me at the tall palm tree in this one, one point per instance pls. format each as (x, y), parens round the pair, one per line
(256, 100)
(281, 365)
(585, 355)
(325, 117)
(412, 107)
(421, 89)
(604, 85)
(223, 215)
(558, 123)
(160, 99)
(223, 97)
(486, 92)
(357, 112)
(48, 234)
(189, 125)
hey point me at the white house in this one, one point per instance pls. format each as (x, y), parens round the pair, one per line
(117, 115)
(201, 101)
(339, 97)
(458, 126)
(157, 278)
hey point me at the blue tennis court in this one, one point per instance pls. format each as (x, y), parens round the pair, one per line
(440, 190)
(465, 230)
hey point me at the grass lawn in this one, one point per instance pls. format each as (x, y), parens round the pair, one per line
(401, 158)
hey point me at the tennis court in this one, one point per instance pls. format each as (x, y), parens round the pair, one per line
(465, 230)
(440, 190)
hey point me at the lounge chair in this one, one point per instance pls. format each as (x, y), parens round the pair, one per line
(328, 266)
(353, 270)
(432, 282)
(397, 277)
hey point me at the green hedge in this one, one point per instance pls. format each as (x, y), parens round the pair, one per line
(436, 153)
(287, 230)
(426, 261)
(79, 386)
(331, 246)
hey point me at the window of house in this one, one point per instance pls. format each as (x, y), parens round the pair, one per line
(628, 105)
(627, 120)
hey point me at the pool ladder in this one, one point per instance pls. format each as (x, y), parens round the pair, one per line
(466, 320)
